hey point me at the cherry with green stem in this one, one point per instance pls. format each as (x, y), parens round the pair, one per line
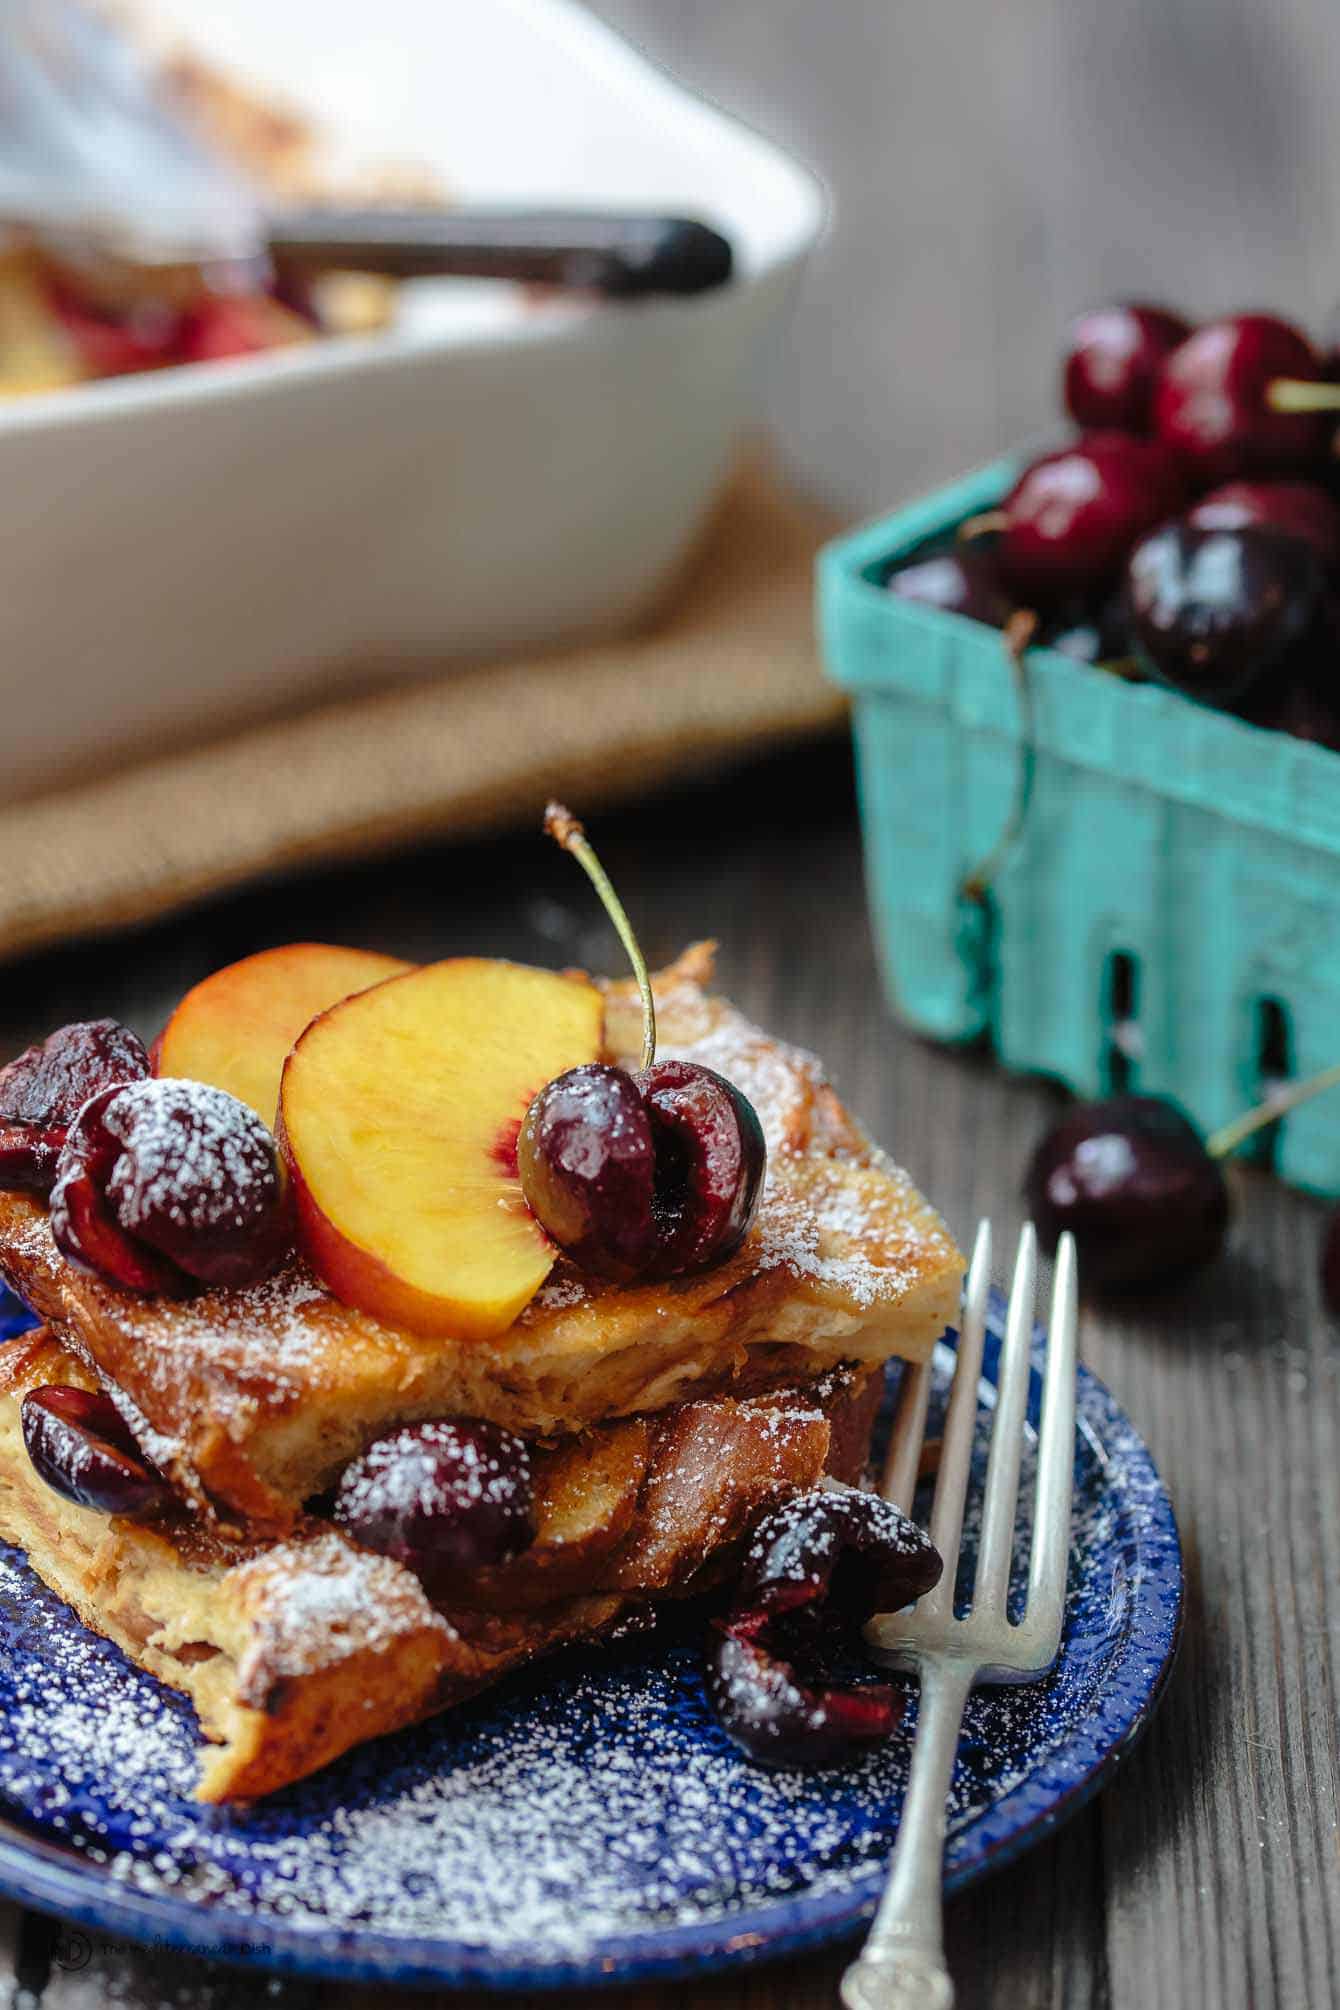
(1139, 1187)
(645, 1173)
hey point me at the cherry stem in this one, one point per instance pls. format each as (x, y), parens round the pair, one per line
(984, 524)
(563, 827)
(1227, 1139)
(1301, 394)
(1018, 633)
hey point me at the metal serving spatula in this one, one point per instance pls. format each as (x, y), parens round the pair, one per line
(92, 157)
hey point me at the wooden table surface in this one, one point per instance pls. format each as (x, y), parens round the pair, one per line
(1207, 1873)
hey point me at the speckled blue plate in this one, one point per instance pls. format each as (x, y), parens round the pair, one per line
(586, 1822)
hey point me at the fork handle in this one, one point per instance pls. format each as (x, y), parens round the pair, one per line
(902, 1965)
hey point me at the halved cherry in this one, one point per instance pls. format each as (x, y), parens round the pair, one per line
(784, 1671)
(79, 1444)
(639, 1174)
(43, 1089)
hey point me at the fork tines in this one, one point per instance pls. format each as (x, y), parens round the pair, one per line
(985, 1635)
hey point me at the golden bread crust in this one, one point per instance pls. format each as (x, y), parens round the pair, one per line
(254, 1400)
(293, 1651)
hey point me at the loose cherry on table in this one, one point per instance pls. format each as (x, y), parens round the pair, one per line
(1069, 521)
(1241, 397)
(645, 1173)
(445, 1499)
(1217, 612)
(163, 1185)
(1330, 1264)
(784, 1670)
(43, 1089)
(79, 1444)
(1138, 1186)
(1112, 365)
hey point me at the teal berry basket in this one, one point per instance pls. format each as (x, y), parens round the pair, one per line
(1168, 919)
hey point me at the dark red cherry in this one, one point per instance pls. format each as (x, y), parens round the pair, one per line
(958, 582)
(42, 1090)
(445, 1498)
(710, 1161)
(588, 1169)
(80, 1446)
(1113, 362)
(783, 1713)
(1304, 713)
(1330, 1264)
(1100, 635)
(1212, 401)
(784, 1670)
(1295, 509)
(1071, 518)
(163, 1184)
(642, 1175)
(646, 1174)
(1215, 612)
(837, 1547)
(1132, 1181)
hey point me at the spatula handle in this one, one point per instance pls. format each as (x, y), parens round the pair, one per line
(620, 255)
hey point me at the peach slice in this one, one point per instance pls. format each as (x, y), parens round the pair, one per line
(398, 1119)
(235, 1028)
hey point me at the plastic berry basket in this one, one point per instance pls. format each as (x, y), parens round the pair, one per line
(1169, 917)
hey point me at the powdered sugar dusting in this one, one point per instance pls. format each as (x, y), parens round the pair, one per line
(835, 1213)
(322, 1601)
(585, 1804)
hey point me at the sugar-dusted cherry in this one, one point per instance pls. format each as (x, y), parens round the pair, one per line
(784, 1669)
(852, 1552)
(957, 582)
(43, 1089)
(79, 1444)
(1112, 365)
(445, 1498)
(1217, 406)
(646, 1173)
(1069, 521)
(1216, 612)
(165, 1184)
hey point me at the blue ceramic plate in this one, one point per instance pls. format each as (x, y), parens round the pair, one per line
(585, 1823)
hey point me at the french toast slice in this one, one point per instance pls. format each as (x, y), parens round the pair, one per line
(293, 1650)
(252, 1401)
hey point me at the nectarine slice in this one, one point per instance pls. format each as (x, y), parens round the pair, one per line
(398, 1118)
(235, 1028)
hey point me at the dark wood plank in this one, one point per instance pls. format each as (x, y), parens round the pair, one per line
(1206, 1875)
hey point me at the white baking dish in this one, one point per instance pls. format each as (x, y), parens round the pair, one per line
(186, 548)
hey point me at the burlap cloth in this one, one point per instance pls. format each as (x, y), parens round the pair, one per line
(728, 671)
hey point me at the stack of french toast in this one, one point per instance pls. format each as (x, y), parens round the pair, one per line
(325, 1269)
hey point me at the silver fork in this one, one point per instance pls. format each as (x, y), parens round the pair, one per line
(902, 1965)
